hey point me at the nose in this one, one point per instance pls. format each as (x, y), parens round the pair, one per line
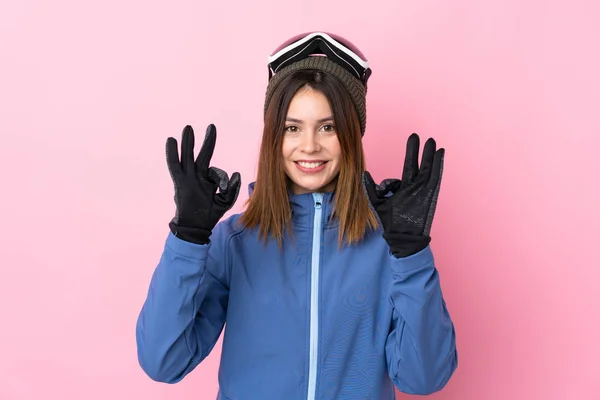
(310, 142)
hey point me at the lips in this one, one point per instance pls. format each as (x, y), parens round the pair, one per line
(310, 167)
(310, 164)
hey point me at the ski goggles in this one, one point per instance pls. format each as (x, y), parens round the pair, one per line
(336, 48)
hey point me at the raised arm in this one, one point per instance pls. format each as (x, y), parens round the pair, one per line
(421, 347)
(185, 308)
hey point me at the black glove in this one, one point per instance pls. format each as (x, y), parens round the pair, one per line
(406, 208)
(199, 207)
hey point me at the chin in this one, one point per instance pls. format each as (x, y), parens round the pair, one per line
(310, 186)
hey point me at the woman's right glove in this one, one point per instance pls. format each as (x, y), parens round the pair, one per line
(199, 207)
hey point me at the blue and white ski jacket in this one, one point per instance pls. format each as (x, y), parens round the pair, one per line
(304, 322)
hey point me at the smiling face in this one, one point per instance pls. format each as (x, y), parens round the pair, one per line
(311, 149)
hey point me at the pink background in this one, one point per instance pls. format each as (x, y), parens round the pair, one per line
(89, 91)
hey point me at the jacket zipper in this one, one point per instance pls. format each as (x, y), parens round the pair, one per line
(314, 297)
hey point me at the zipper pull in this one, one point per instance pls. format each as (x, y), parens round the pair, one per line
(318, 200)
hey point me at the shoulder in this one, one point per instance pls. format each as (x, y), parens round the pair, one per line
(220, 251)
(228, 227)
(372, 245)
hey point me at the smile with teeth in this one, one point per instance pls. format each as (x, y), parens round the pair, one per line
(310, 165)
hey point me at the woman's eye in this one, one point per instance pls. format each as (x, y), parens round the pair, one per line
(329, 128)
(291, 128)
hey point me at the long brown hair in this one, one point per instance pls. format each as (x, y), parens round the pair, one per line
(268, 207)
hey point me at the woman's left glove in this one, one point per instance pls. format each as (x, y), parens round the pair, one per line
(406, 208)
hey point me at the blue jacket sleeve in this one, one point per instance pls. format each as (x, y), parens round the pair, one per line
(421, 347)
(184, 311)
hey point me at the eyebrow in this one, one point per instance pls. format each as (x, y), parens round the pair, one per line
(299, 121)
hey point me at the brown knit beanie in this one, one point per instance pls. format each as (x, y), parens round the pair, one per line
(354, 86)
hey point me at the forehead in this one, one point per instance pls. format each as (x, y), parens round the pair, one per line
(309, 102)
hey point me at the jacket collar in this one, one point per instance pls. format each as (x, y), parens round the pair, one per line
(304, 206)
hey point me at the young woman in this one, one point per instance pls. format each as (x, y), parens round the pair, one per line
(326, 283)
